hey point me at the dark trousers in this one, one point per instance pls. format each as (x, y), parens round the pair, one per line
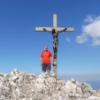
(46, 67)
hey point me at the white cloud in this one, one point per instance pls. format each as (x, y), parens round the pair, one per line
(90, 30)
(88, 19)
(81, 39)
(96, 41)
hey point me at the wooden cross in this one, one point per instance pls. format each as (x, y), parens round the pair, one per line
(55, 32)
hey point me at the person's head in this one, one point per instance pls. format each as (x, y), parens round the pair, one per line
(46, 48)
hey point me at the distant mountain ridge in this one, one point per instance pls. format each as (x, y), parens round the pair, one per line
(95, 82)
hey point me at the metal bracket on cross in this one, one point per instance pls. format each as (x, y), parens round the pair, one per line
(55, 30)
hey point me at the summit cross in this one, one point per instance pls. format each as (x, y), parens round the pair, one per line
(55, 30)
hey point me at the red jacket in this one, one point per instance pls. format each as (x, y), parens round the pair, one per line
(45, 56)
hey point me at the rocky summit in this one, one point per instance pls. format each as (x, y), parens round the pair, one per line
(18, 85)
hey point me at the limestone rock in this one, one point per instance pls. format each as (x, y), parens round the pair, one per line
(26, 86)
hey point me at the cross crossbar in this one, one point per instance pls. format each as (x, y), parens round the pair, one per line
(59, 29)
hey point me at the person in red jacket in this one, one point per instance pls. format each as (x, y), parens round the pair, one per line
(46, 60)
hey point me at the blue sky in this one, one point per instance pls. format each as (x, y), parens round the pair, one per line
(20, 44)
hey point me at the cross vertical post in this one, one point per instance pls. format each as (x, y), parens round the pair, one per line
(55, 45)
(55, 32)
